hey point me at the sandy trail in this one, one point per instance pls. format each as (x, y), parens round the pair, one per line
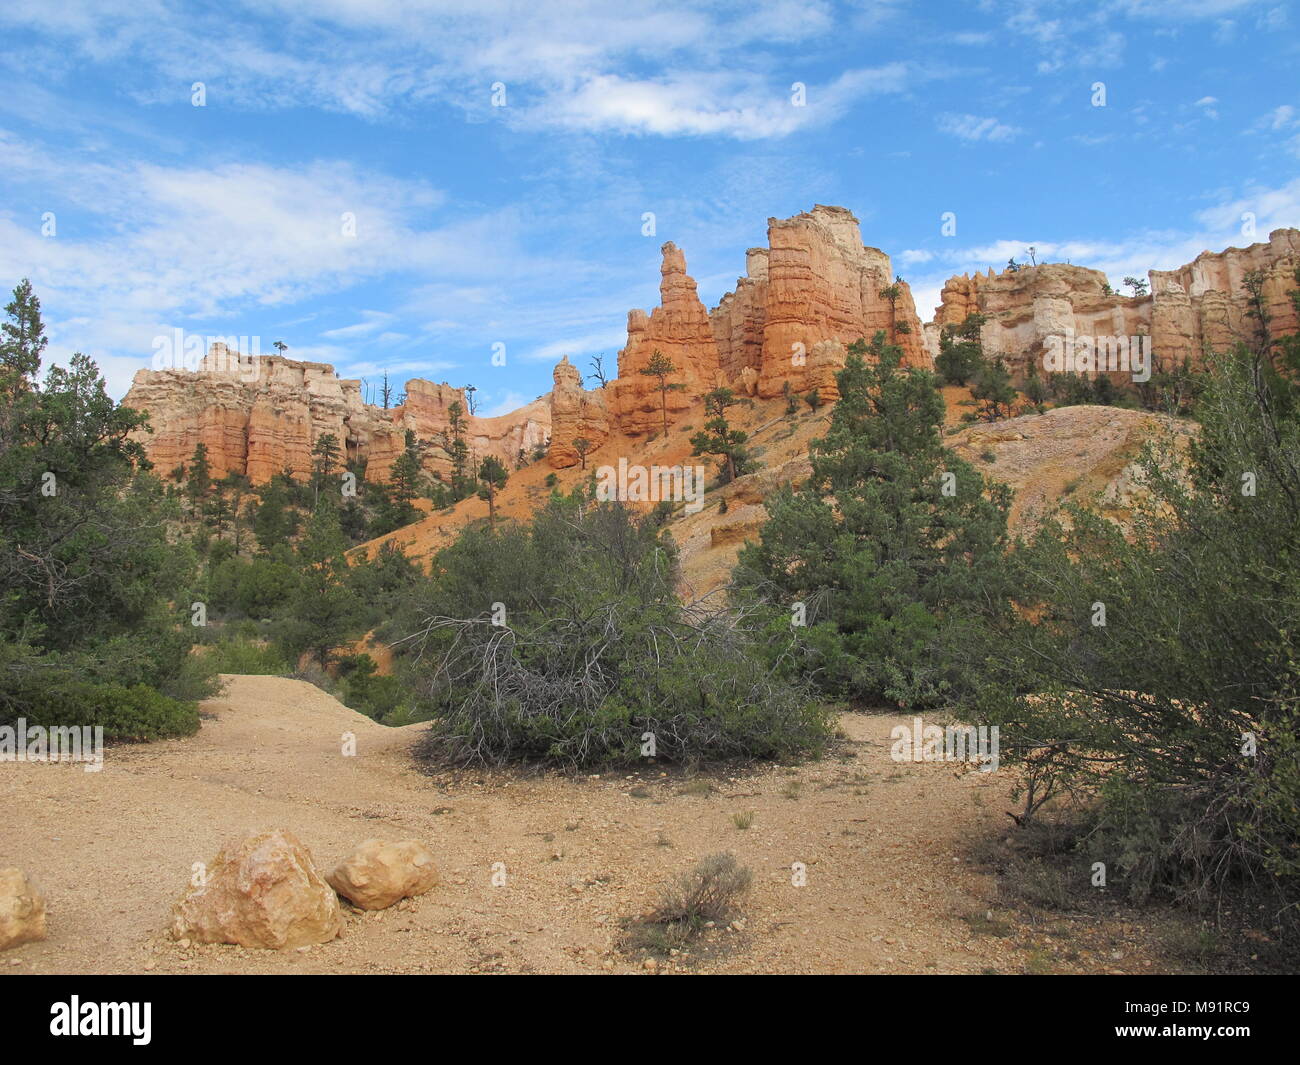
(888, 882)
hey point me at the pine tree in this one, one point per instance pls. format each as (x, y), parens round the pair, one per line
(199, 478)
(581, 445)
(892, 544)
(993, 390)
(492, 477)
(325, 460)
(660, 367)
(323, 607)
(22, 338)
(718, 438)
(960, 352)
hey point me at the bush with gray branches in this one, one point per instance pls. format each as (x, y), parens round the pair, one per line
(564, 643)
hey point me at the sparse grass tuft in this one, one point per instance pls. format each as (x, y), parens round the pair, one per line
(707, 893)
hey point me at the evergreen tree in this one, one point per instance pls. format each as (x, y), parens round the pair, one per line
(492, 477)
(458, 450)
(581, 445)
(199, 477)
(323, 611)
(993, 391)
(718, 438)
(274, 523)
(660, 367)
(22, 338)
(892, 546)
(325, 460)
(960, 352)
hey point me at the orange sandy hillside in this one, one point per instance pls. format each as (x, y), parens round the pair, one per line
(1069, 452)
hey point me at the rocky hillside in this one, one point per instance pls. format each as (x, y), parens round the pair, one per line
(784, 328)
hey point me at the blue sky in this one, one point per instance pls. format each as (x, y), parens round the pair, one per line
(521, 224)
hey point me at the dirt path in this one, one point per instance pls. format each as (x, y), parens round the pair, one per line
(887, 885)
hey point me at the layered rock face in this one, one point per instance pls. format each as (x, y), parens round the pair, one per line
(678, 328)
(1203, 303)
(260, 415)
(823, 284)
(1197, 307)
(576, 414)
(1027, 306)
(814, 290)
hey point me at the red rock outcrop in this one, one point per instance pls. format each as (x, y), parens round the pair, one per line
(1025, 307)
(814, 290)
(1197, 307)
(260, 415)
(814, 283)
(823, 284)
(1203, 304)
(576, 414)
(680, 329)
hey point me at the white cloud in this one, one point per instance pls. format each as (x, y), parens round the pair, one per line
(371, 320)
(561, 64)
(976, 128)
(718, 104)
(151, 248)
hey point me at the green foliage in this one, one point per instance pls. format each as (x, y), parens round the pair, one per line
(889, 567)
(95, 598)
(53, 691)
(22, 338)
(239, 654)
(564, 642)
(718, 438)
(198, 481)
(322, 611)
(661, 367)
(492, 477)
(993, 391)
(1155, 659)
(273, 521)
(960, 353)
(364, 689)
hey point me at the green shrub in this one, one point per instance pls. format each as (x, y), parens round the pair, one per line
(240, 654)
(889, 551)
(1158, 678)
(366, 690)
(564, 642)
(125, 713)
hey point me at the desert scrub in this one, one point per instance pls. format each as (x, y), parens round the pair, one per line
(706, 893)
(597, 662)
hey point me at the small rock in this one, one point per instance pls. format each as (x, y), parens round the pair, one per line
(22, 909)
(380, 873)
(261, 891)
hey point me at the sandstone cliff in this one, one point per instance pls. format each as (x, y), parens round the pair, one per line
(811, 292)
(260, 415)
(1197, 307)
(1202, 304)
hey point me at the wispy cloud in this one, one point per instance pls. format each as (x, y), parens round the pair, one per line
(977, 128)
